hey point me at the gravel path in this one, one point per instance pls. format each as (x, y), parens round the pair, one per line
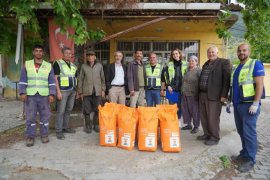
(10, 114)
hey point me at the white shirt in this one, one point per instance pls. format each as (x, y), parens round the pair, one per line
(119, 76)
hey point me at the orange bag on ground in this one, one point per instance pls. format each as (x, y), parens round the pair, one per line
(107, 123)
(169, 128)
(148, 124)
(127, 119)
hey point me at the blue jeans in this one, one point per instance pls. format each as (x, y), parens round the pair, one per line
(64, 108)
(246, 128)
(153, 97)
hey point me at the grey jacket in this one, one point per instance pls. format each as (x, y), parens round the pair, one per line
(190, 84)
(91, 77)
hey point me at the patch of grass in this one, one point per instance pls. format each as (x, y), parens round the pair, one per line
(226, 161)
(16, 129)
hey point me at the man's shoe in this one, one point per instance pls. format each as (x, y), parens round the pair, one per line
(238, 159)
(87, 130)
(96, 128)
(69, 130)
(211, 142)
(194, 130)
(203, 137)
(60, 135)
(29, 142)
(245, 167)
(187, 127)
(45, 139)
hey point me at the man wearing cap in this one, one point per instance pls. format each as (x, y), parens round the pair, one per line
(116, 79)
(136, 80)
(65, 77)
(91, 87)
(37, 91)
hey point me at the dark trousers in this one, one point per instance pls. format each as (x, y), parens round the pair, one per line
(90, 104)
(190, 110)
(33, 105)
(246, 128)
(210, 116)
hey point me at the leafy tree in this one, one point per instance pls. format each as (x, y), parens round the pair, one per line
(66, 12)
(256, 15)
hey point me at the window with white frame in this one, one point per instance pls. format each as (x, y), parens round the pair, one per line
(161, 48)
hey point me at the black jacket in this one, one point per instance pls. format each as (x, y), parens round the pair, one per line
(110, 74)
(218, 79)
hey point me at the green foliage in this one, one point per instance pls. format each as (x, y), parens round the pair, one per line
(226, 162)
(66, 12)
(222, 30)
(256, 16)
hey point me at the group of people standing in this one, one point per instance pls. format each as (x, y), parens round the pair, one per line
(198, 93)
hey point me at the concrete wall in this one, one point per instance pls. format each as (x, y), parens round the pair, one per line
(11, 74)
(166, 30)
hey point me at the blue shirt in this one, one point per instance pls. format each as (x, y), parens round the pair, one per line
(258, 71)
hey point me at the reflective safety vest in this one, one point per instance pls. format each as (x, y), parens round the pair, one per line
(171, 70)
(245, 81)
(153, 79)
(37, 82)
(67, 79)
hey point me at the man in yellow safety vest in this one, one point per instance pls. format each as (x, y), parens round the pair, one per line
(246, 91)
(66, 80)
(153, 80)
(37, 91)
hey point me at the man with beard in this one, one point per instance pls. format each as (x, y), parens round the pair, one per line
(136, 80)
(247, 90)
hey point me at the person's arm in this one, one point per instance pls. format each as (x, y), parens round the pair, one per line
(23, 84)
(226, 77)
(130, 79)
(56, 70)
(107, 77)
(103, 85)
(52, 86)
(81, 78)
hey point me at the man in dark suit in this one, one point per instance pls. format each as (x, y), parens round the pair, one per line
(116, 79)
(213, 87)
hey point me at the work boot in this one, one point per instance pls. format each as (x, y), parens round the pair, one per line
(69, 130)
(88, 124)
(203, 137)
(60, 135)
(96, 128)
(239, 159)
(29, 142)
(96, 123)
(187, 127)
(194, 130)
(246, 166)
(45, 139)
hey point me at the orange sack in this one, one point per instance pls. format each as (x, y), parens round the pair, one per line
(127, 119)
(148, 124)
(169, 129)
(107, 123)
